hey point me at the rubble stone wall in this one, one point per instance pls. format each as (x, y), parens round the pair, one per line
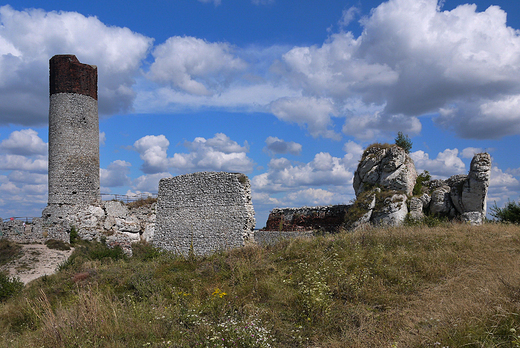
(204, 212)
(36, 231)
(325, 218)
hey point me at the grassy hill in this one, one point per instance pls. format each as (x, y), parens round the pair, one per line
(447, 286)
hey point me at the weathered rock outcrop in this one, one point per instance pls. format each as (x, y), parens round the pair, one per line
(121, 224)
(462, 196)
(391, 171)
(386, 166)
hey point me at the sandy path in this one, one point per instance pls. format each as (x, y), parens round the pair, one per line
(37, 261)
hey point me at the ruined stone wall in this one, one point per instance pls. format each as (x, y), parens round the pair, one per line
(36, 231)
(324, 218)
(73, 132)
(204, 212)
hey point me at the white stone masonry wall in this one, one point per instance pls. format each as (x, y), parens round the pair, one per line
(204, 212)
(73, 149)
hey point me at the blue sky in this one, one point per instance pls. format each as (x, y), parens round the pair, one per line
(287, 92)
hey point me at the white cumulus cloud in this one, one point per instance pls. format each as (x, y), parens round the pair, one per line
(219, 153)
(116, 174)
(446, 164)
(149, 182)
(323, 170)
(29, 38)
(279, 146)
(25, 142)
(194, 65)
(310, 112)
(414, 59)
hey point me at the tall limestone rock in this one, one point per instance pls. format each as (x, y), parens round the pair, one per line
(386, 166)
(468, 192)
(389, 172)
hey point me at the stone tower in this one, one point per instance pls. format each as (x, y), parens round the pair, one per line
(73, 133)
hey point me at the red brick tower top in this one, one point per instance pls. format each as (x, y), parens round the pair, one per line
(68, 75)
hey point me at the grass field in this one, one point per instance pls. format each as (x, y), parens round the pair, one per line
(452, 285)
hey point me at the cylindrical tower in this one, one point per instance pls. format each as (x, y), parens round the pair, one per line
(73, 132)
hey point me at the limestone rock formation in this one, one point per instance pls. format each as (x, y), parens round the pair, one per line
(392, 210)
(440, 204)
(392, 171)
(464, 195)
(385, 166)
(461, 197)
(416, 209)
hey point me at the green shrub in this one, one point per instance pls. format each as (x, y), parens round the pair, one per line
(99, 251)
(57, 244)
(8, 251)
(73, 235)
(510, 213)
(144, 251)
(423, 177)
(94, 250)
(9, 286)
(403, 142)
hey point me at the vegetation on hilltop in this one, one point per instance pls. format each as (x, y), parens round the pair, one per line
(509, 213)
(453, 285)
(403, 142)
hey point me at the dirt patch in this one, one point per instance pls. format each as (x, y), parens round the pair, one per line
(37, 261)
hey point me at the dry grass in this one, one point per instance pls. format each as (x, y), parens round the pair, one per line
(8, 251)
(142, 202)
(453, 285)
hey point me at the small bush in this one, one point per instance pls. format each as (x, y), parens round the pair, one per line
(8, 251)
(510, 213)
(9, 286)
(57, 244)
(99, 251)
(423, 177)
(74, 237)
(86, 250)
(144, 251)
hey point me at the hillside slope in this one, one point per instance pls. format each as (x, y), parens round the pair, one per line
(451, 285)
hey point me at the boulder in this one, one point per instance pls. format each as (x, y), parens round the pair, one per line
(115, 209)
(416, 208)
(425, 199)
(392, 210)
(440, 204)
